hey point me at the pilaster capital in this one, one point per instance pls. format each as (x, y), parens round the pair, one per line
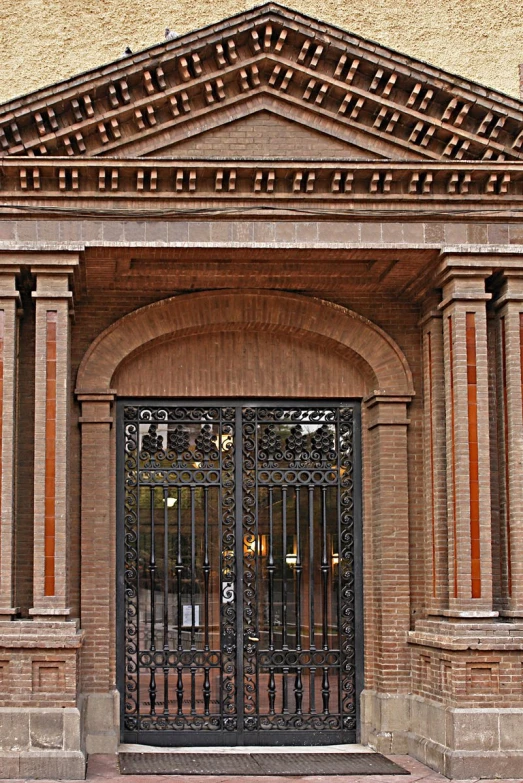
(52, 282)
(463, 286)
(511, 288)
(387, 409)
(429, 316)
(462, 277)
(96, 406)
(8, 288)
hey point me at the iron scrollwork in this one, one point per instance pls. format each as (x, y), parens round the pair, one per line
(299, 459)
(295, 506)
(178, 462)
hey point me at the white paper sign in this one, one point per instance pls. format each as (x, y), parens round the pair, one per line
(187, 615)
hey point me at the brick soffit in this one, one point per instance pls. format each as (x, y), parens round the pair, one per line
(284, 56)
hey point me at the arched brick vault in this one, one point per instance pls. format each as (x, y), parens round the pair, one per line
(376, 355)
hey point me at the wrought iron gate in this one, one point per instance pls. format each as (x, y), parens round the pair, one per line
(239, 572)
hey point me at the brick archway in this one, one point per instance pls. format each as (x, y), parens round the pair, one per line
(378, 357)
(386, 388)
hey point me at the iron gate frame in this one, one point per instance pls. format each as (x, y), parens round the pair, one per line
(237, 737)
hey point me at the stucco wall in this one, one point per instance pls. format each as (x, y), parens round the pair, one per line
(44, 41)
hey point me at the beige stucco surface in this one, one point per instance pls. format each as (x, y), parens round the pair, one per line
(44, 41)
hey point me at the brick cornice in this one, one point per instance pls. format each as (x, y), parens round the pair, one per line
(161, 186)
(346, 80)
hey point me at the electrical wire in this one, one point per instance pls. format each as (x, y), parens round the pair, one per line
(257, 209)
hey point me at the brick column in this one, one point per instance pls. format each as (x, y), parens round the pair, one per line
(387, 425)
(50, 579)
(468, 443)
(434, 448)
(97, 543)
(509, 307)
(9, 303)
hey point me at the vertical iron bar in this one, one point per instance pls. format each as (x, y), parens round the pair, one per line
(138, 579)
(238, 559)
(193, 690)
(206, 691)
(298, 691)
(311, 567)
(298, 569)
(152, 689)
(271, 690)
(165, 570)
(270, 569)
(339, 566)
(324, 569)
(165, 688)
(312, 687)
(206, 570)
(284, 644)
(206, 564)
(165, 601)
(285, 700)
(193, 567)
(152, 575)
(179, 568)
(325, 690)
(179, 690)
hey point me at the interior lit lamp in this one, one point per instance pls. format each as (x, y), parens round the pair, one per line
(258, 544)
(335, 559)
(171, 502)
(291, 558)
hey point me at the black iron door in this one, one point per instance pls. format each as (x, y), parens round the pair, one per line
(239, 572)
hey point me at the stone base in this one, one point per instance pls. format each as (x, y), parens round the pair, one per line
(459, 765)
(41, 743)
(102, 722)
(385, 721)
(457, 742)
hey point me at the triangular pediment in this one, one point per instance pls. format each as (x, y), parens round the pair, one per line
(275, 132)
(267, 133)
(341, 95)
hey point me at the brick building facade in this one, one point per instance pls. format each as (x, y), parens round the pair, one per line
(271, 221)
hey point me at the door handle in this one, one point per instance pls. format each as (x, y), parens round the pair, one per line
(253, 638)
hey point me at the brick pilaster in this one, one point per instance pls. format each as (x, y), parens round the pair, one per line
(97, 544)
(434, 449)
(509, 307)
(52, 388)
(387, 425)
(467, 434)
(9, 302)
